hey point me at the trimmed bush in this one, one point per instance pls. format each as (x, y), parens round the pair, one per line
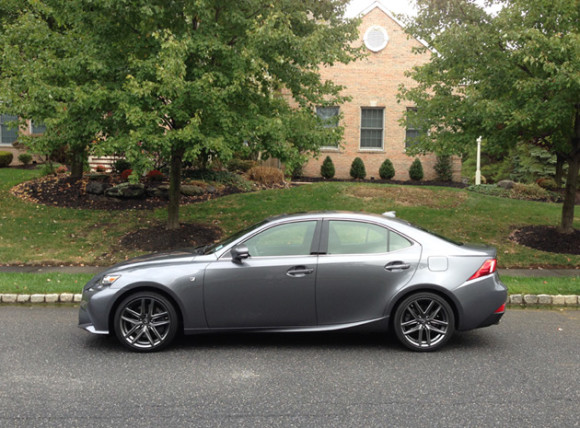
(547, 183)
(416, 170)
(327, 168)
(121, 165)
(266, 175)
(5, 159)
(387, 170)
(155, 175)
(240, 165)
(357, 169)
(25, 158)
(443, 168)
(126, 173)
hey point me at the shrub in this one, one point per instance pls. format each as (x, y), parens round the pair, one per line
(529, 191)
(443, 168)
(387, 170)
(416, 170)
(357, 169)
(121, 165)
(126, 173)
(327, 168)
(155, 175)
(266, 175)
(101, 168)
(25, 158)
(240, 165)
(5, 159)
(62, 169)
(547, 183)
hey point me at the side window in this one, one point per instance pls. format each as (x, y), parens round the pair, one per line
(351, 237)
(292, 239)
(397, 242)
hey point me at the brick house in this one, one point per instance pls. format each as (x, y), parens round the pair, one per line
(9, 135)
(371, 119)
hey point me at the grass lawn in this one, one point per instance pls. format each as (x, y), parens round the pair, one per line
(47, 283)
(38, 234)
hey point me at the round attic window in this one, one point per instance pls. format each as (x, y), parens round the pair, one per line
(376, 38)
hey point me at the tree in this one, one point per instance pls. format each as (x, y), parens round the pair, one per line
(212, 76)
(327, 168)
(387, 170)
(512, 78)
(50, 73)
(416, 170)
(357, 169)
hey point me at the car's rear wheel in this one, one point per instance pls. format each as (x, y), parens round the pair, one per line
(146, 321)
(424, 322)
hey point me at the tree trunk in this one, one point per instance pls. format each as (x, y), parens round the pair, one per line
(174, 189)
(567, 225)
(559, 170)
(78, 157)
(570, 196)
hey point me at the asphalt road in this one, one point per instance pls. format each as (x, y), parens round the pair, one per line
(524, 372)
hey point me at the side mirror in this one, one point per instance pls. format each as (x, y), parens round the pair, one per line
(239, 253)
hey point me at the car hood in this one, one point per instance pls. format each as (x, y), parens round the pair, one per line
(176, 256)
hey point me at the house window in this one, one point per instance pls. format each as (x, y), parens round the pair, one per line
(37, 128)
(413, 131)
(371, 128)
(8, 130)
(329, 118)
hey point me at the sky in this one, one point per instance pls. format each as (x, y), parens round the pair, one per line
(395, 6)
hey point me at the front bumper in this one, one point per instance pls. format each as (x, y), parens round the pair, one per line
(95, 308)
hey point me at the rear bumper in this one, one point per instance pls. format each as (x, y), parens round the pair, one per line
(480, 300)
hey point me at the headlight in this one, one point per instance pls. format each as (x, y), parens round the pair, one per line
(109, 279)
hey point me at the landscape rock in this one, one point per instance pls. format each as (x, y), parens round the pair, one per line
(191, 190)
(558, 300)
(506, 184)
(9, 298)
(99, 177)
(159, 191)
(96, 187)
(23, 298)
(37, 298)
(571, 300)
(77, 298)
(51, 298)
(530, 299)
(516, 299)
(210, 189)
(126, 191)
(66, 297)
(545, 299)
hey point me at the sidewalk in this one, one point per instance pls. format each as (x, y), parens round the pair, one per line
(530, 273)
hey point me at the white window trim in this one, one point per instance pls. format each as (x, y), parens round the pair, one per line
(371, 149)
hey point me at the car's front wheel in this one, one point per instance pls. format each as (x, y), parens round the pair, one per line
(424, 322)
(146, 321)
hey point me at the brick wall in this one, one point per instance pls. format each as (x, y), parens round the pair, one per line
(373, 82)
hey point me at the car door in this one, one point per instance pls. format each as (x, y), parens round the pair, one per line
(363, 266)
(273, 287)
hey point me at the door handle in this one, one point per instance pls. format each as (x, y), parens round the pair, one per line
(397, 266)
(299, 271)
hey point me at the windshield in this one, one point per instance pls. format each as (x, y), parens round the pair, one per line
(212, 248)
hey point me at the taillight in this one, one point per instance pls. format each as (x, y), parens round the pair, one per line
(501, 309)
(488, 267)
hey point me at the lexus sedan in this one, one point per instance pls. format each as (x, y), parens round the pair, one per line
(302, 272)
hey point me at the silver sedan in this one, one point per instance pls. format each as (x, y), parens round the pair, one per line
(302, 272)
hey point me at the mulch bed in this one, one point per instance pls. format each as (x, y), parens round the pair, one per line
(62, 191)
(157, 238)
(547, 238)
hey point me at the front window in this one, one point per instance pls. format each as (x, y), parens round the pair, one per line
(351, 237)
(291, 239)
(8, 129)
(329, 117)
(413, 131)
(37, 127)
(371, 128)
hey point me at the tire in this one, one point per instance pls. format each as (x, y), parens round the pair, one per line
(424, 322)
(146, 322)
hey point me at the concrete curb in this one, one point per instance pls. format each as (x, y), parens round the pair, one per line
(513, 299)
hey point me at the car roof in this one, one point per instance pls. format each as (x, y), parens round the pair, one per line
(354, 215)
